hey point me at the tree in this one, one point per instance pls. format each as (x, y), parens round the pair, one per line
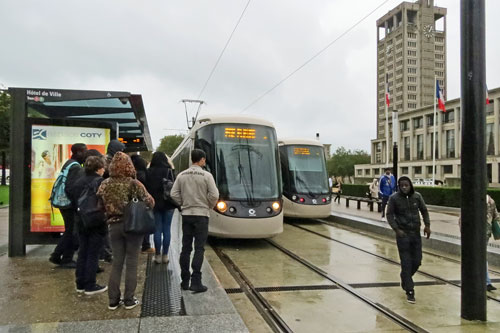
(169, 143)
(4, 131)
(342, 161)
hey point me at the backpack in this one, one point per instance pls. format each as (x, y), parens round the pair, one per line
(167, 184)
(88, 207)
(58, 197)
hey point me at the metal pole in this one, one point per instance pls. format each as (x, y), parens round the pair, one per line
(434, 121)
(386, 131)
(473, 160)
(395, 137)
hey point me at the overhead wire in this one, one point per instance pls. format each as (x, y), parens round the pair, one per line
(223, 50)
(313, 57)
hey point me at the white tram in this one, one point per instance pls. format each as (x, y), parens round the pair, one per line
(305, 179)
(242, 155)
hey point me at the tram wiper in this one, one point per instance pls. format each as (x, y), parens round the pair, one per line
(305, 185)
(243, 180)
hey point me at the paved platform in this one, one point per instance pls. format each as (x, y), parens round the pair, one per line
(37, 296)
(445, 235)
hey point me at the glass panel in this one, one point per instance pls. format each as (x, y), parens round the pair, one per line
(307, 169)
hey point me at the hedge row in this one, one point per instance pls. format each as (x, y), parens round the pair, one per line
(4, 195)
(439, 196)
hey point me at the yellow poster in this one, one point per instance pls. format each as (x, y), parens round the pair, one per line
(50, 149)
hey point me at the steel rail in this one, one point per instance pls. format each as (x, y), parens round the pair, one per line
(272, 318)
(429, 275)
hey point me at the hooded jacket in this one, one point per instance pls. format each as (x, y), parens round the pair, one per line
(120, 187)
(403, 210)
(387, 185)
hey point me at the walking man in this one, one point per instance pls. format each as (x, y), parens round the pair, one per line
(403, 216)
(195, 191)
(387, 186)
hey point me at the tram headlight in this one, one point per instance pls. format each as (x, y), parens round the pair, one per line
(221, 206)
(232, 210)
(276, 205)
(294, 197)
(269, 210)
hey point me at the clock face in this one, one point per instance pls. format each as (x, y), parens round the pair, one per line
(428, 31)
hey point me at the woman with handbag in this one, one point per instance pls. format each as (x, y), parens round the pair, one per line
(160, 170)
(116, 193)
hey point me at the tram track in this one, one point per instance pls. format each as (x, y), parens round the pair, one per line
(389, 260)
(276, 323)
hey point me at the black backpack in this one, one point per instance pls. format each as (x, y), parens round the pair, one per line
(167, 184)
(89, 209)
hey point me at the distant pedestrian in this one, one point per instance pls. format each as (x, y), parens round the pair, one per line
(195, 191)
(116, 192)
(160, 170)
(68, 243)
(491, 216)
(374, 189)
(338, 191)
(387, 186)
(403, 215)
(90, 238)
(141, 168)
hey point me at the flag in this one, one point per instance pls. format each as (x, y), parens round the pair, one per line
(440, 98)
(387, 96)
(487, 97)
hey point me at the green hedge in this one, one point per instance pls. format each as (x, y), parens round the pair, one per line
(439, 196)
(4, 195)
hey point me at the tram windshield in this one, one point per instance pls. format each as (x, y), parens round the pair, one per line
(306, 171)
(246, 162)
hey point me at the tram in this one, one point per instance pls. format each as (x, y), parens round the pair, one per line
(242, 155)
(305, 179)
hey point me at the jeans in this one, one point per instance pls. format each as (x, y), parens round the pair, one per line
(68, 243)
(193, 227)
(163, 221)
(126, 248)
(410, 254)
(88, 259)
(385, 199)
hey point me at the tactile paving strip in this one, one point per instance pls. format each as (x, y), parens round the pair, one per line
(162, 293)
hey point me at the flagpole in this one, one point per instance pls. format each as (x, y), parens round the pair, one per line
(434, 136)
(386, 127)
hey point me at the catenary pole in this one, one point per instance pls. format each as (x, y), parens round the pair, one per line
(473, 159)
(386, 129)
(395, 137)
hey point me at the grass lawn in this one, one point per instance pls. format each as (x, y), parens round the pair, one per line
(4, 195)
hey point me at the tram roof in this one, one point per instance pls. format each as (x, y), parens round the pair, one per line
(123, 110)
(230, 119)
(299, 141)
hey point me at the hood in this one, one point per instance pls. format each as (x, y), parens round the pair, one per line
(412, 190)
(121, 166)
(115, 146)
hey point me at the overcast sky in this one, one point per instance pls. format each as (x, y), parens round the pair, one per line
(165, 51)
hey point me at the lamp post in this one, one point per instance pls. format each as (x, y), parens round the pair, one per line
(395, 135)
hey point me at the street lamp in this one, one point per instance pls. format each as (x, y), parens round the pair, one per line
(395, 135)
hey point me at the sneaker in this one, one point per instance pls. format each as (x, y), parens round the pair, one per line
(114, 306)
(150, 250)
(70, 265)
(185, 285)
(80, 290)
(164, 259)
(490, 287)
(198, 288)
(55, 260)
(410, 297)
(96, 289)
(130, 304)
(157, 259)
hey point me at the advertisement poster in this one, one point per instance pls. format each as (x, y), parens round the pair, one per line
(50, 149)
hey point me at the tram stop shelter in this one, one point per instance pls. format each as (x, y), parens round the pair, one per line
(72, 116)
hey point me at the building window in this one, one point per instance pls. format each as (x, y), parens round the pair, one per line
(420, 147)
(418, 122)
(490, 141)
(439, 39)
(412, 88)
(439, 47)
(403, 125)
(448, 169)
(439, 56)
(359, 172)
(412, 79)
(378, 154)
(412, 105)
(367, 172)
(439, 73)
(412, 70)
(439, 65)
(412, 96)
(404, 170)
(450, 143)
(430, 120)
(429, 170)
(407, 148)
(412, 44)
(431, 137)
(412, 53)
(417, 170)
(448, 117)
(376, 172)
(489, 173)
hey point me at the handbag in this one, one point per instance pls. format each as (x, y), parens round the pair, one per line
(138, 218)
(167, 184)
(495, 229)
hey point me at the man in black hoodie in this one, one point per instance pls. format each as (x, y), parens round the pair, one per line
(403, 216)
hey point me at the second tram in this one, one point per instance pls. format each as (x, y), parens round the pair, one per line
(242, 155)
(306, 193)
